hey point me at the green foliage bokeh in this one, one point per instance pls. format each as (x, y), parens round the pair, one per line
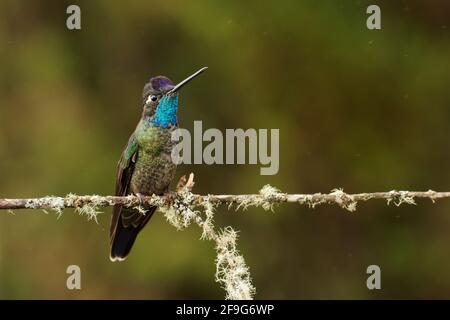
(359, 109)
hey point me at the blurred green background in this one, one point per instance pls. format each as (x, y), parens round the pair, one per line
(358, 109)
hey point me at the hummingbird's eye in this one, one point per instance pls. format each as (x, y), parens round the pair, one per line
(153, 98)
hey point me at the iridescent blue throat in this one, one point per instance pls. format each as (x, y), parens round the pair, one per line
(166, 112)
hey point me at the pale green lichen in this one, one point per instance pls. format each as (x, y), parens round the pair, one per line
(338, 196)
(90, 210)
(271, 197)
(181, 212)
(207, 224)
(70, 199)
(344, 200)
(400, 197)
(140, 209)
(312, 200)
(267, 199)
(55, 204)
(129, 202)
(231, 271)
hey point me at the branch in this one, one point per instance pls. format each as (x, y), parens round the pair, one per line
(182, 208)
(267, 195)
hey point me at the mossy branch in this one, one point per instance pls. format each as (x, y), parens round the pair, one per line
(267, 197)
(183, 207)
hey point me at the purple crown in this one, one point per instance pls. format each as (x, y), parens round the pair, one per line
(160, 82)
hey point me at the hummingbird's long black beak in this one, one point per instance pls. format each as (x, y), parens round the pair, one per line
(182, 83)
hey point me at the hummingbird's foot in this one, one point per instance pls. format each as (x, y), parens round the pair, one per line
(185, 184)
(181, 183)
(140, 197)
(190, 183)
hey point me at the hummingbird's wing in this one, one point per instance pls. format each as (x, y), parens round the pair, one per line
(125, 169)
(126, 222)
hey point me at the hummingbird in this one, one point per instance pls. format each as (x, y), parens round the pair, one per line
(145, 166)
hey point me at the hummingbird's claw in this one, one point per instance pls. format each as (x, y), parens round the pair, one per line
(185, 184)
(181, 183)
(190, 183)
(140, 196)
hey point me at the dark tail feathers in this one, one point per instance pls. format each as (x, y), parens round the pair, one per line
(122, 239)
(122, 242)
